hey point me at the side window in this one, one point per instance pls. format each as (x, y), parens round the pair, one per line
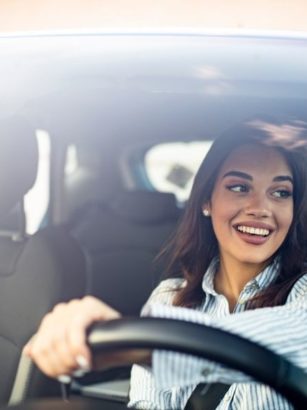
(71, 161)
(171, 167)
(37, 199)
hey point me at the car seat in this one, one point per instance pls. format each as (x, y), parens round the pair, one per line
(121, 239)
(36, 272)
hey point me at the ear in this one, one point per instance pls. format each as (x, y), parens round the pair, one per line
(207, 205)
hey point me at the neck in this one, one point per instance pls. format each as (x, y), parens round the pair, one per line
(232, 277)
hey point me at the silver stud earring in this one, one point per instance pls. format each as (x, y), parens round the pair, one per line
(206, 212)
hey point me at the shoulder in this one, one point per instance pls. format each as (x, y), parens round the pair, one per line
(299, 289)
(165, 291)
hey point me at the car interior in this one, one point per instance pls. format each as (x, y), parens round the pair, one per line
(81, 117)
(37, 271)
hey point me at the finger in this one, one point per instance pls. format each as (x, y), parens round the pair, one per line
(64, 358)
(59, 346)
(43, 356)
(49, 348)
(91, 310)
(53, 354)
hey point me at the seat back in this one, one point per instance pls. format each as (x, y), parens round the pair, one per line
(121, 240)
(36, 272)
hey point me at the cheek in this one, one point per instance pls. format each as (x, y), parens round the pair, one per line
(223, 208)
(286, 218)
(222, 216)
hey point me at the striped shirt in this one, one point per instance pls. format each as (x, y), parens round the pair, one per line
(174, 376)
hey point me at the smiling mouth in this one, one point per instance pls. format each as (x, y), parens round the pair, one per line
(263, 232)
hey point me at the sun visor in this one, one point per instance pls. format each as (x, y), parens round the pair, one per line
(18, 161)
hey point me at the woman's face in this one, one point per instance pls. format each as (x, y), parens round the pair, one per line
(252, 204)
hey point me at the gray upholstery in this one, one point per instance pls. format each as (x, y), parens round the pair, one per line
(36, 272)
(121, 240)
(13, 222)
(147, 207)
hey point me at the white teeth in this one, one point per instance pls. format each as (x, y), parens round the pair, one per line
(253, 231)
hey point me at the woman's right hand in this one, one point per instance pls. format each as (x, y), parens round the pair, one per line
(59, 347)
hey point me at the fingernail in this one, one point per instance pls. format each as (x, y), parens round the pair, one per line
(83, 363)
(79, 373)
(64, 378)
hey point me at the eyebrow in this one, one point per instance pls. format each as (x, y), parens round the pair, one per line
(240, 174)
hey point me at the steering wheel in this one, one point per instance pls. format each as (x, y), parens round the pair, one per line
(198, 340)
(208, 343)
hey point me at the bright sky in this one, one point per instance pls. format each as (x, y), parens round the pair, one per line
(25, 15)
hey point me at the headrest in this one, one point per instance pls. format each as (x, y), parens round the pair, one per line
(146, 206)
(18, 161)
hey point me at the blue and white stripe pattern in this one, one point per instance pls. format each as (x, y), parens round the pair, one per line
(174, 376)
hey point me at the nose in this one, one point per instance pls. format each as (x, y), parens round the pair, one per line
(258, 207)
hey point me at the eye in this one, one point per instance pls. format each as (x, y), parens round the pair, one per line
(282, 193)
(238, 188)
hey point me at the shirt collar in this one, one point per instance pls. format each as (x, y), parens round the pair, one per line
(261, 281)
(208, 279)
(268, 275)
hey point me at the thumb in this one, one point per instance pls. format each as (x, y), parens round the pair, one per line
(28, 347)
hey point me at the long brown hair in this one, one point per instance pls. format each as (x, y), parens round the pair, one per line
(194, 244)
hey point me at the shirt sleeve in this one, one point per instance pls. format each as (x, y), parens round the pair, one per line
(283, 329)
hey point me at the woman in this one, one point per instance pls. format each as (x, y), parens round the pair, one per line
(240, 246)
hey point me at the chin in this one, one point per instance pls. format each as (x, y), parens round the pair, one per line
(254, 260)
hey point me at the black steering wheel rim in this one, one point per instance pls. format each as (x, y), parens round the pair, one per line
(205, 342)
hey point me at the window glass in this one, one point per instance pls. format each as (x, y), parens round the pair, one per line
(171, 167)
(37, 199)
(71, 161)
